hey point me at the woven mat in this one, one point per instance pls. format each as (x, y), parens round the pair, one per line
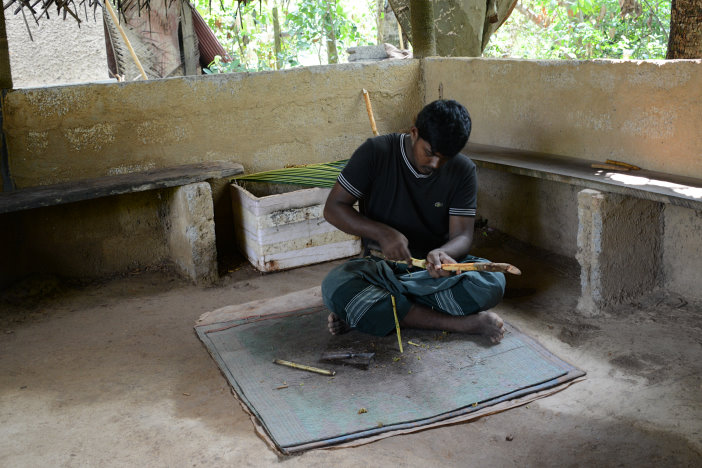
(441, 378)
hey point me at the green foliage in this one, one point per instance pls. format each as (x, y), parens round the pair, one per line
(537, 29)
(310, 22)
(219, 66)
(584, 29)
(246, 31)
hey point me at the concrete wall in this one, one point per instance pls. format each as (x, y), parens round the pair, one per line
(682, 251)
(88, 239)
(644, 113)
(538, 212)
(262, 120)
(171, 227)
(545, 214)
(61, 52)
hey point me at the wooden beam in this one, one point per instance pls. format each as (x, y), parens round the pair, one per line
(191, 58)
(5, 71)
(88, 189)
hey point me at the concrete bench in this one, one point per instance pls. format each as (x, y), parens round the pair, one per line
(88, 189)
(620, 224)
(187, 212)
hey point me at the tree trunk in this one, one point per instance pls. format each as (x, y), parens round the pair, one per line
(332, 54)
(422, 21)
(685, 40)
(276, 38)
(462, 27)
(5, 72)
(240, 42)
(380, 19)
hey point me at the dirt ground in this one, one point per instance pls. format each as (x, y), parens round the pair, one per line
(112, 374)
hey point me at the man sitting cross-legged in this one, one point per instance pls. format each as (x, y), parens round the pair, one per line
(417, 198)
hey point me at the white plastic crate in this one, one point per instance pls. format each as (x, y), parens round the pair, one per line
(278, 227)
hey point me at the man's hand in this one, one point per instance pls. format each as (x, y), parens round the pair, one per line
(339, 211)
(435, 259)
(394, 245)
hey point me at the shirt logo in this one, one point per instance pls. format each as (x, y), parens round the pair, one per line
(438, 204)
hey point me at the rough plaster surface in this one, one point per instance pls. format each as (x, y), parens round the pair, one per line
(644, 112)
(619, 248)
(86, 239)
(263, 120)
(191, 232)
(113, 235)
(61, 53)
(682, 247)
(539, 212)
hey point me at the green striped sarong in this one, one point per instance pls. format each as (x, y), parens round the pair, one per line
(358, 292)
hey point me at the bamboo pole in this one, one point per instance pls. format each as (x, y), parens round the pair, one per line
(609, 167)
(369, 109)
(397, 323)
(473, 266)
(399, 31)
(482, 266)
(623, 164)
(126, 40)
(294, 365)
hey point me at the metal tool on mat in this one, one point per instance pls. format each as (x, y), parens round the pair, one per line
(361, 360)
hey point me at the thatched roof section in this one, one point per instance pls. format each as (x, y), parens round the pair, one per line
(38, 9)
(76, 9)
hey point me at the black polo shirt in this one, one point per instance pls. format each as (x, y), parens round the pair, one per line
(391, 191)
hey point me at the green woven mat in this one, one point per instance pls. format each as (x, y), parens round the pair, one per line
(439, 376)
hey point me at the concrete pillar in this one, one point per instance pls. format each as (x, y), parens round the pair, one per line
(619, 248)
(682, 251)
(190, 232)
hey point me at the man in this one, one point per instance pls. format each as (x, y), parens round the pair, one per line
(417, 198)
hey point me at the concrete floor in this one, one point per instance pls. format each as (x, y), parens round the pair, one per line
(112, 374)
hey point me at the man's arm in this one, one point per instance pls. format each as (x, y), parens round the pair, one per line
(339, 211)
(458, 245)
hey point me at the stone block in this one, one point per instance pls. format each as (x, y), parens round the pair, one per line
(619, 248)
(371, 52)
(190, 232)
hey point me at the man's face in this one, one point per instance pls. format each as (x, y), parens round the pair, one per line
(424, 159)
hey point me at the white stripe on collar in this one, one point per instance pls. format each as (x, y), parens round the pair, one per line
(404, 156)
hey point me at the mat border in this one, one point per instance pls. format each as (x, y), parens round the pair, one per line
(495, 405)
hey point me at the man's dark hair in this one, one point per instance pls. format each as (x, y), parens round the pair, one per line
(445, 125)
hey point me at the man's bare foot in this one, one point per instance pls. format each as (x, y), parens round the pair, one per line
(490, 324)
(485, 323)
(336, 326)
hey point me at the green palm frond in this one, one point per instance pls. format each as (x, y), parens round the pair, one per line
(311, 175)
